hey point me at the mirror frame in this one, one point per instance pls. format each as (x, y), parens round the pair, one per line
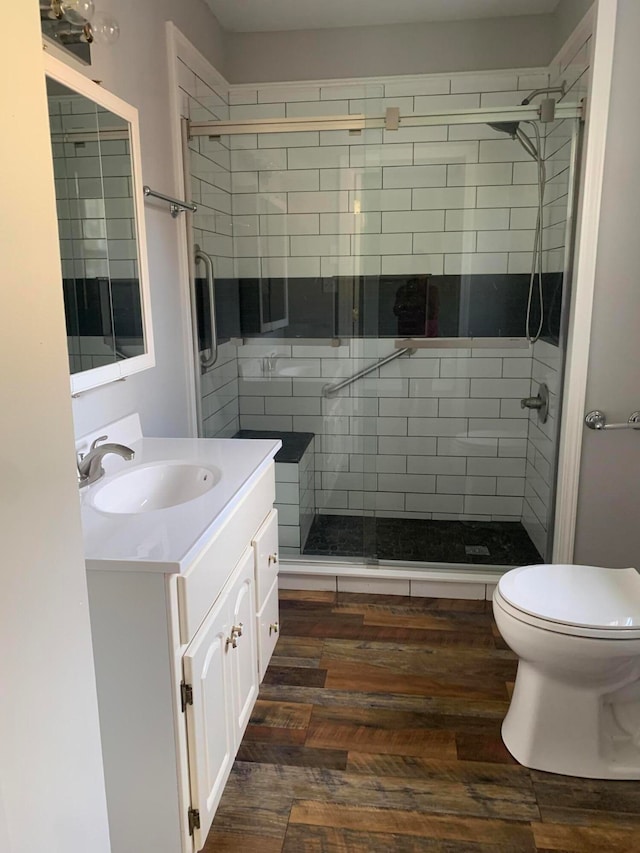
(72, 79)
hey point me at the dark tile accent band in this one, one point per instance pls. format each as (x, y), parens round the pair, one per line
(491, 305)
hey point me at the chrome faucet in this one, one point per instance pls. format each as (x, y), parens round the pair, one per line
(90, 465)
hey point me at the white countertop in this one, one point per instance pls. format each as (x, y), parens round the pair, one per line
(164, 540)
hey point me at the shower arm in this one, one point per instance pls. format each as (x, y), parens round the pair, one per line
(547, 90)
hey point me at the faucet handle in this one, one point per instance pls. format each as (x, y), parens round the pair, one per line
(94, 444)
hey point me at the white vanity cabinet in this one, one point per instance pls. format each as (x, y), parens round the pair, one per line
(179, 656)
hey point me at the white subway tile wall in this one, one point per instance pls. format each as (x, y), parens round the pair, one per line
(94, 196)
(295, 501)
(213, 228)
(93, 191)
(438, 187)
(420, 437)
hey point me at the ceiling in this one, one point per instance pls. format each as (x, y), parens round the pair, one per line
(273, 15)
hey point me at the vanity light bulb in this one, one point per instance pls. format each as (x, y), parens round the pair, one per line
(78, 12)
(104, 29)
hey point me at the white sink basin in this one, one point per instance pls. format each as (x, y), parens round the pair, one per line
(157, 485)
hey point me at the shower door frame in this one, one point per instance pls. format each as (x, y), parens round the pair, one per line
(600, 21)
(475, 116)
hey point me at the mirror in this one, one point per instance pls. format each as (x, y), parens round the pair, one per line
(94, 141)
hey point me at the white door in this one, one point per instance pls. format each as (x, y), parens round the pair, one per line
(209, 722)
(244, 657)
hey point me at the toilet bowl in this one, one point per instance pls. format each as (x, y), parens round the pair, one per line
(575, 708)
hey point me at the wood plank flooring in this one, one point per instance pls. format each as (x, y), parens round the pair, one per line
(377, 728)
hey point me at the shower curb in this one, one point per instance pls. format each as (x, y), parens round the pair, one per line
(433, 580)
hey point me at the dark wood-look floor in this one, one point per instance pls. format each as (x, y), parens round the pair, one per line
(377, 728)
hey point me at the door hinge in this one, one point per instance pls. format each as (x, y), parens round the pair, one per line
(194, 820)
(186, 695)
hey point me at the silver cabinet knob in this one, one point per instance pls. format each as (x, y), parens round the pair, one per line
(232, 640)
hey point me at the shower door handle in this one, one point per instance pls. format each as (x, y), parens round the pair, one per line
(209, 361)
(598, 420)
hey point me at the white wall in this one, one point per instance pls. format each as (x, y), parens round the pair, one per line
(567, 16)
(383, 50)
(136, 69)
(370, 51)
(51, 782)
(607, 523)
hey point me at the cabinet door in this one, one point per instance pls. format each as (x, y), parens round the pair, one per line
(268, 629)
(209, 725)
(265, 544)
(243, 658)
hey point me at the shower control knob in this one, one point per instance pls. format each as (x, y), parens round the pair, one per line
(539, 403)
(531, 403)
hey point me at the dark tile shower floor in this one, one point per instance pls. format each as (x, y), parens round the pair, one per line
(502, 543)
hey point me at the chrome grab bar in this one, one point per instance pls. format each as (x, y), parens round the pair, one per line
(330, 390)
(175, 205)
(598, 420)
(206, 260)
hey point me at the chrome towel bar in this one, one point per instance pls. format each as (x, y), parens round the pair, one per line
(598, 420)
(175, 205)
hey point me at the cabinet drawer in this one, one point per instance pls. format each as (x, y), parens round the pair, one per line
(268, 629)
(265, 545)
(202, 582)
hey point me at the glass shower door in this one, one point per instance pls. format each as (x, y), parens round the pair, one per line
(462, 473)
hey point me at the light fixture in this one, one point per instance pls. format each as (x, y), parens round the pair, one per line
(76, 24)
(77, 12)
(103, 29)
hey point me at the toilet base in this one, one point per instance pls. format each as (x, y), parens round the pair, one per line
(572, 729)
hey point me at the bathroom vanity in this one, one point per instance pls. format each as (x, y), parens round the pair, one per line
(184, 617)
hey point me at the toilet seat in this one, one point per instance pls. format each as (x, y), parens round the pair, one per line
(587, 601)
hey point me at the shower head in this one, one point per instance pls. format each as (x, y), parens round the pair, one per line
(513, 129)
(510, 127)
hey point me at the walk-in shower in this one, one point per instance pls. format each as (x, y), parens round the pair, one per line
(374, 293)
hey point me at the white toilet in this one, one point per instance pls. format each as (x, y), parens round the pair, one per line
(576, 703)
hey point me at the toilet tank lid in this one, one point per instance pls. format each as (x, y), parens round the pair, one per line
(588, 596)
